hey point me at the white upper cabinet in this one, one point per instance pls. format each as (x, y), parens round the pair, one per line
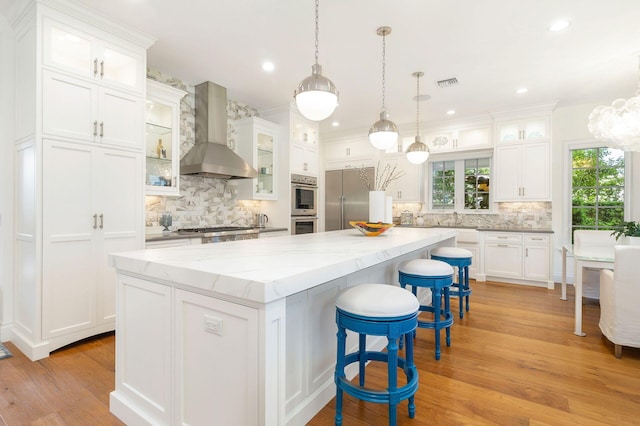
(304, 140)
(92, 56)
(461, 139)
(525, 130)
(77, 109)
(162, 139)
(258, 143)
(409, 187)
(350, 153)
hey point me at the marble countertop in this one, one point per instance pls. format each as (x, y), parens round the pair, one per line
(174, 235)
(487, 228)
(265, 270)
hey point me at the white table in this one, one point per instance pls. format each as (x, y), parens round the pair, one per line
(591, 257)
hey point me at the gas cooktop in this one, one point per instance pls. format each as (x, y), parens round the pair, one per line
(216, 229)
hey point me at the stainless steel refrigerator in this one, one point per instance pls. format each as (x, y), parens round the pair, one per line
(346, 198)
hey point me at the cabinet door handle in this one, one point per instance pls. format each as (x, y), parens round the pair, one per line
(537, 239)
(400, 194)
(526, 252)
(502, 245)
(305, 167)
(101, 221)
(523, 191)
(95, 221)
(95, 128)
(101, 128)
(348, 151)
(101, 69)
(95, 67)
(502, 238)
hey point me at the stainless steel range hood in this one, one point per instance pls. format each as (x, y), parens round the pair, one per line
(211, 157)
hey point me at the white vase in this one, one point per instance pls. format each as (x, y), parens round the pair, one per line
(376, 206)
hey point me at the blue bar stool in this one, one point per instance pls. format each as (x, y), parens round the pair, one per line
(377, 310)
(437, 276)
(461, 259)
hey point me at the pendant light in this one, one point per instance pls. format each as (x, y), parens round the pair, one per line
(618, 124)
(316, 96)
(418, 152)
(384, 133)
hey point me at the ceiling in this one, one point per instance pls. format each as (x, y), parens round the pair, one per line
(492, 47)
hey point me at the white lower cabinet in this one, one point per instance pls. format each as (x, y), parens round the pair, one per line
(516, 257)
(84, 189)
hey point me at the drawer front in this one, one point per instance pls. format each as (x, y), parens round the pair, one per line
(504, 237)
(536, 239)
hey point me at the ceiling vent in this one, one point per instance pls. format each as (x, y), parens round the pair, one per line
(448, 82)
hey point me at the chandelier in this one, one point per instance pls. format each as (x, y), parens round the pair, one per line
(618, 124)
(316, 96)
(384, 133)
(418, 152)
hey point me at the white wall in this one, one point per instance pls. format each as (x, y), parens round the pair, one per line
(570, 126)
(6, 178)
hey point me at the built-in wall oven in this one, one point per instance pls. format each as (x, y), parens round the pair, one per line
(304, 204)
(304, 224)
(304, 195)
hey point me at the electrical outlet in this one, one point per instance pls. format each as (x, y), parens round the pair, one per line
(213, 325)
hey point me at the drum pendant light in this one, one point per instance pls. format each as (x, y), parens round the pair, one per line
(418, 152)
(384, 133)
(316, 96)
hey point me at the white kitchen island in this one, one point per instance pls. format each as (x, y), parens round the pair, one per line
(243, 332)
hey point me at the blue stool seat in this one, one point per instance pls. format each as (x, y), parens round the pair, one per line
(378, 310)
(436, 276)
(461, 259)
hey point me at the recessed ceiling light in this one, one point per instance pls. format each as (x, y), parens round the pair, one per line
(451, 112)
(522, 90)
(268, 66)
(559, 25)
(335, 123)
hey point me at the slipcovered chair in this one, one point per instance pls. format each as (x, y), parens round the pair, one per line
(593, 242)
(619, 299)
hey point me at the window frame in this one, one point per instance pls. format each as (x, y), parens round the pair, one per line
(459, 161)
(568, 182)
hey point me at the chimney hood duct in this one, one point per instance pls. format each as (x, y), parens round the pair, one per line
(211, 157)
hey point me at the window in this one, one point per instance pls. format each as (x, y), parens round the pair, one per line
(597, 188)
(460, 185)
(476, 184)
(443, 189)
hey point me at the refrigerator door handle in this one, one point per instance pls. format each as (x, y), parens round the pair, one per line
(341, 211)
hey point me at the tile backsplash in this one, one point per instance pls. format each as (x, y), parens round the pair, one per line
(508, 215)
(202, 201)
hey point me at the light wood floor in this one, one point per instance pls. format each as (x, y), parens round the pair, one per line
(513, 361)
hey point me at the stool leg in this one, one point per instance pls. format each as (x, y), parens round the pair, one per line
(339, 374)
(362, 359)
(460, 290)
(392, 372)
(408, 366)
(436, 318)
(447, 308)
(466, 284)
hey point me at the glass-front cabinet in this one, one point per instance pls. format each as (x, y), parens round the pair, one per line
(162, 139)
(258, 144)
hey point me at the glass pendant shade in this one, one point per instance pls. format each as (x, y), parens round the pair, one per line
(618, 124)
(384, 133)
(417, 153)
(316, 96)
